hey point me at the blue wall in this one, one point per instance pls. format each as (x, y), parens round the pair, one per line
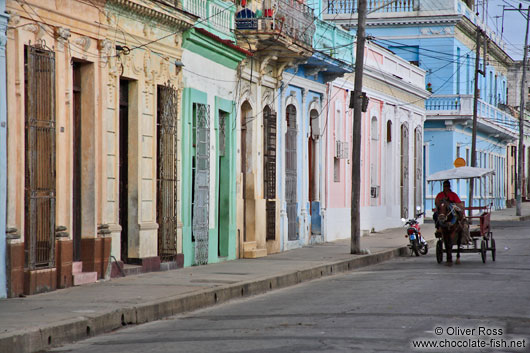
(445, 146)
(3, 148)
(450, 67)
(449, 63)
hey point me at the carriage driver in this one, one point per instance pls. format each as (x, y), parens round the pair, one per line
(449, 195)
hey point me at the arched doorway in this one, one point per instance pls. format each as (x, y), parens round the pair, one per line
(312, 154)
(404, 183)
(418, 166)
(290, 172)
(246, 170)
(374, 161)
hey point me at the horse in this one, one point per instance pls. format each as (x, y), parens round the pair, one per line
(450, 220)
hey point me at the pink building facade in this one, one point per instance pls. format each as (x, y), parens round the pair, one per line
(391, 146)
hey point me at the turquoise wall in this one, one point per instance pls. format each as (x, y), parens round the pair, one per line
(224, 201)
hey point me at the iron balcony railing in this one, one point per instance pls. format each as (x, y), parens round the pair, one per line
(350, 6)
(406, 7)
(463, 105)
(288, 17)
(216, 16)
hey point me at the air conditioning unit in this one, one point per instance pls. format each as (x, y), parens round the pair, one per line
(374, 192)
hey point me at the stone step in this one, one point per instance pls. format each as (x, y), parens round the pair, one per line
(255, 253)
(250, 245)
(85, 278)
(77, 267)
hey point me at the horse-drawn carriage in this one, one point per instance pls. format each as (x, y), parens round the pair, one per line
(470, 233)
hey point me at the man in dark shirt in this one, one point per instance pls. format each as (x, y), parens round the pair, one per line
(449, 195)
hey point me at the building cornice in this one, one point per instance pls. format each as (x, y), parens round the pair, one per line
(469, 28)
(177, 18)
(397, 82)
(404, 21)
(464, 24)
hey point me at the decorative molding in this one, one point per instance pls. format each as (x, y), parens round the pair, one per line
(32, 27)
(14, 19)
(148, 31)
(245, 90)
(266, 98)
(84, 42)
(105, 47)
(182, 22)
(62, 34)
(265, 62)
(304, 95)
(164, 73)
(147, 62)
(314, 70)
(132, 63)
(437, 31)
(178, 40)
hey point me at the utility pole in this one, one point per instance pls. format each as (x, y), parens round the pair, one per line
(356, 143)
(520, 151)
(475, 112)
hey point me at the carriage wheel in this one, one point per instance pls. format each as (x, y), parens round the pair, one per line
(493, 249)
(439, 251)
(483, 250)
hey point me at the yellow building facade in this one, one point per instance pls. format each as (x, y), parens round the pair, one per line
(69, 60)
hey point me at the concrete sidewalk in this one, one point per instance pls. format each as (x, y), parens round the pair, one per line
(42, 321)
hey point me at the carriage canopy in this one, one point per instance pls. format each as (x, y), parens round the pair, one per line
(461, 173)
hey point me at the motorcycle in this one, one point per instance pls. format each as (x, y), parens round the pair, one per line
(417, 244)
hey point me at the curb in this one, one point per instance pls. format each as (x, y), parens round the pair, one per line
(512, 219)
(68, 331)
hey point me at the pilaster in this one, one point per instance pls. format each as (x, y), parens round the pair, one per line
(3, 149)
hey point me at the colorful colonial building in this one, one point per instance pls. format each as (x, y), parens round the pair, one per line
(85, 116)
(391, 145)
(210, 61)
(445, 46)
(279, 34)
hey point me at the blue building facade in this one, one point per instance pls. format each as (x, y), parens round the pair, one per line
(445, 46)
(303, 105)
(3, 148)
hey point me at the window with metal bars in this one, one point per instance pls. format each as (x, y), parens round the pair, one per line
(40, 188)
(167, 172)
(269, 164)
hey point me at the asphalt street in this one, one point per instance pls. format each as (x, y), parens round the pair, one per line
(389, 307)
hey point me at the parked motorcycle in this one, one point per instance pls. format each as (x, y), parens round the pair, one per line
(417, 244)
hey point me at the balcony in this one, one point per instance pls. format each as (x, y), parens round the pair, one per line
(341, 11)
(284, 22)
(460, 107)
(216, 16)
(335, 7)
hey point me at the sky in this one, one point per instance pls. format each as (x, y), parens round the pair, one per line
(514, 27)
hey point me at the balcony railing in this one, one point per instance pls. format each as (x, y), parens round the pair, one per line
(463, 105)
(216, 16)
(289, 17)
(350, 6)
(430, 8)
